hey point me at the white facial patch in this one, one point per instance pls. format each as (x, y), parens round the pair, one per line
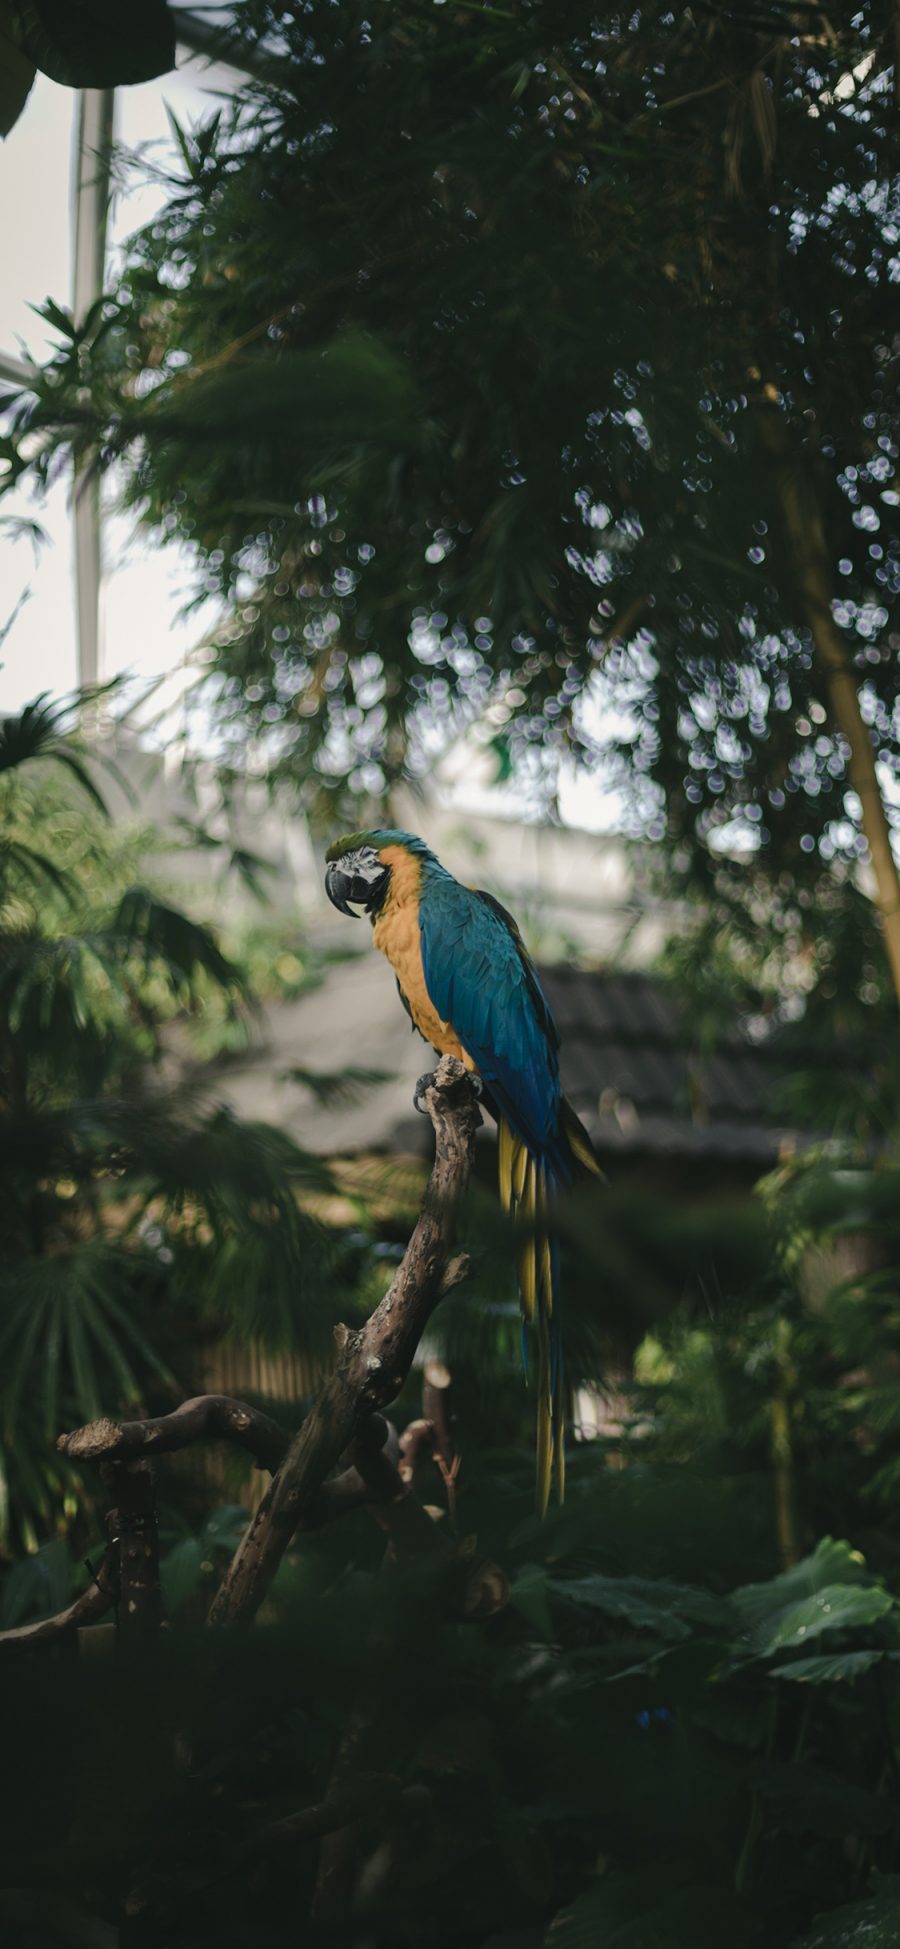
(362, 865)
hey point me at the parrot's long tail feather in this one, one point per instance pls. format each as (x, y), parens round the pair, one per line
(527, 1194)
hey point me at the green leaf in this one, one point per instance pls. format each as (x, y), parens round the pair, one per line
(98, 43)
(252, 869)
(39, 731)
(524, 1851)
(59, 317)
(29, 733)
(292, 398)
(38, 1586)
(805, 1799)
(34, 1919)
(180, 1572)
(829, 1591)
(839, 1607)
(870, 1924)
(81, 773)
(224, 1529)
(164, 934)
(831, 1668)
(831, 1562)
(626, 1911)
(530, 1596)
(36, 867)
(669, 1609)
(16, 77)
(338, 1086)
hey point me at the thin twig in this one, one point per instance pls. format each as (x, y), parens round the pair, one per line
(99, 1597)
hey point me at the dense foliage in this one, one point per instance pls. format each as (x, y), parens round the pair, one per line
(468, 354)
(662, 1738)
(134, 1223)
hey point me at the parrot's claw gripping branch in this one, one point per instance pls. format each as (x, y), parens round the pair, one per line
(420, 1093)
(427, 1082)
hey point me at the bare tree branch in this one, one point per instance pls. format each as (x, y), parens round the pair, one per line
(416, 1442)
(99, 1597)
(207, 1417)
(372, 1364)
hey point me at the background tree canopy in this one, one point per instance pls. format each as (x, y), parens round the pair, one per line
(534, 365)
(509, 358)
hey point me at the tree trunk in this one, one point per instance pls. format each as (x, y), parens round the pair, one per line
(805, 537)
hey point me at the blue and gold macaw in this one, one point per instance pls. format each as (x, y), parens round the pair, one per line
(471, 990)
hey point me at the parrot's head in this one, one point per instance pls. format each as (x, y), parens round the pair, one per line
(359, 868)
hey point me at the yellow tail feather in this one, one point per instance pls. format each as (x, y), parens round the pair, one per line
(559, 1444)
(546, 1432)
(523, 1191)
(578, 1140)
(506, 1146)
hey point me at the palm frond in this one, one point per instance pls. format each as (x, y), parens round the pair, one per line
(70, 1336)
(333, 1088)
(161, 934)
(41, 730)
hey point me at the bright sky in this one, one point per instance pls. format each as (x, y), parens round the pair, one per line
(144, 586)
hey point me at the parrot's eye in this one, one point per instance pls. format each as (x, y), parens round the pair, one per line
(357, 882)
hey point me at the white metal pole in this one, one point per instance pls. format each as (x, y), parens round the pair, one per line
(96, 111)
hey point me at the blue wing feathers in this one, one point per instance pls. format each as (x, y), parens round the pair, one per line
(480, 979)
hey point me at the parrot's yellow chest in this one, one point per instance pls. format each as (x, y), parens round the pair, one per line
(397, 935)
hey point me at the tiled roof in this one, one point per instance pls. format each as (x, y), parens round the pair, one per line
(635, 1076)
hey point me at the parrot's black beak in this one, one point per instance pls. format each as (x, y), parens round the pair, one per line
(343, 887)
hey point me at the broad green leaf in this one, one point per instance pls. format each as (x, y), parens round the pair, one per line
(524, 1851)
(830, 1668)
(839, 1607)
(98, 43)
(830, 1590)
(802, 1798)
(666, 1608)
(831, 1562)
(870, 1924)
(35, 1919)
(38, 1586)
(627, 1911)
(224, 1529)
(530, 1596)
(180, 1572)
(16, 77)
